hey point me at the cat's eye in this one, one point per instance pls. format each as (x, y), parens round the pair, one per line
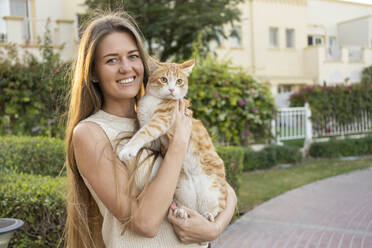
(163, 80)
(179, 81)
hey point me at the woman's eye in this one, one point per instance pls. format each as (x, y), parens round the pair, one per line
(163, 80)
(134, 56)
(113, 60)
(179, 81)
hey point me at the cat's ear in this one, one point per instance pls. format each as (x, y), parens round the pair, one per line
(187, 66)
(153, 64)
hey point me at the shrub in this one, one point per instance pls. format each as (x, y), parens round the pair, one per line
(233, 159)
(367, 75)
(32, 92)
(234, 107)
(344, 103)
(338, 148)
(270, 156)
(39, 202)
(33, 155)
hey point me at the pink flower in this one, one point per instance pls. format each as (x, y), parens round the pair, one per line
(215, 95)
(254, 110)
(247, 133)
(242, 102)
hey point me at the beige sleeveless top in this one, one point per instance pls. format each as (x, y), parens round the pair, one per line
(111, 228)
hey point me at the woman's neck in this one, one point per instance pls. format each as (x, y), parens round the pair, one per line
(122, 109)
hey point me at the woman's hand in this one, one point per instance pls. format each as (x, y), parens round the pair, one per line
(197, 229)
(181, 130)
(194, 229)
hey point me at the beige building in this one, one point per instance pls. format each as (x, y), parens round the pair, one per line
(292, 43)
(23, 22)
(285, 43)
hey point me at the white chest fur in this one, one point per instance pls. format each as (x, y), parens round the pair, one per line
(146, 108)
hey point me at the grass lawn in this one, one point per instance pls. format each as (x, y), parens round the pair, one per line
(260, 186)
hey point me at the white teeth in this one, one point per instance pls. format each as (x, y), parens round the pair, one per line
(126, 81)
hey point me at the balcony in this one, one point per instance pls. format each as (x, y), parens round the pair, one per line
(27, 33)
(336, 65)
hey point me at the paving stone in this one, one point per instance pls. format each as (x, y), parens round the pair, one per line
(332, 213)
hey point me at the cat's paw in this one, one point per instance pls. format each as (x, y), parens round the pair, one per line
(180, 213)
(209, 216)
(128, 152)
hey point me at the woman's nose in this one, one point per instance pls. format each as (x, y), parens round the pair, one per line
(124, 67)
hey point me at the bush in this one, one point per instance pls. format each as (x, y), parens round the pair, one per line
(234, 107)
(270, 156)
(339, 148)
(38, 201)
(233, 159)
(344, 103)
(367, 75)
(33, 155)
(32, 92)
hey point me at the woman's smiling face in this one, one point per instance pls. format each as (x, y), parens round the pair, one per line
(118, 67)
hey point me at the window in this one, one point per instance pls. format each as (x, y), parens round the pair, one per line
(273, 37)
(235, 37)
(284, 88)
(20, 8)
(290, 38)
(313, 40)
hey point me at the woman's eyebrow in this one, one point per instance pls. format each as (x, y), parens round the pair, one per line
(116, 54)
(111, 55)
(133, 51)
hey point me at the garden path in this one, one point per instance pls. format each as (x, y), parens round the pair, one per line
(332, 213)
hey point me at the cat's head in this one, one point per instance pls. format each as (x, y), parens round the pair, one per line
(168, 80)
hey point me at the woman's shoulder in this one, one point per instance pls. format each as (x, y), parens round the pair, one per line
(87, 131)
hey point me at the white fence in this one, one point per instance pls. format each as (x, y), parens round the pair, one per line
(295, 123)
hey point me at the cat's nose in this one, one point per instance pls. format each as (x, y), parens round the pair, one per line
(171, 90)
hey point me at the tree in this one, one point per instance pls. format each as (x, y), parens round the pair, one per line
(171, 26)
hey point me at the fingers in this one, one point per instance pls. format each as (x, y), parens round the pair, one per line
(181, 106)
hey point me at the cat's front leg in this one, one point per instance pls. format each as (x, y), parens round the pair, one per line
(129, 151)
(155, 128)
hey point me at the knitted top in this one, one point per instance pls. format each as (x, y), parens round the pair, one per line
(114, 126)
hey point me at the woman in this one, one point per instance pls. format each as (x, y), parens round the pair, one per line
(106, 206)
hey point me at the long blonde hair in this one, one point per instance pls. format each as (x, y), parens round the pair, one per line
(84, 221)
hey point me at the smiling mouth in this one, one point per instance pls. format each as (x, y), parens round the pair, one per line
(126, 81)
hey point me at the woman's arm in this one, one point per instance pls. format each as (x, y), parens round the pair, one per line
(93, 154)
(196, 228)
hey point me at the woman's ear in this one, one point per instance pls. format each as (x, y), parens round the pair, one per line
(187, 66)
(153, 64)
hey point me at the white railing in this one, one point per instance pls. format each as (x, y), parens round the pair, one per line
(290, 123)
(330, 127)
(295, 123)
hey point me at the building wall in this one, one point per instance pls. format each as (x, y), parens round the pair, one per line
(285, 14)
(242, 55)
(330, 12)
(354, 32)
(72, 7)
(4, 10)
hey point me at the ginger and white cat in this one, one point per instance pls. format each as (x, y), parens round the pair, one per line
(201, 185)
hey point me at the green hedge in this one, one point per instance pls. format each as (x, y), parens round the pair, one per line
(344, 103)
(233, 157)
(339, 148)
(32, 91)
(33, 155)
(39, 202)
(270, 156)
